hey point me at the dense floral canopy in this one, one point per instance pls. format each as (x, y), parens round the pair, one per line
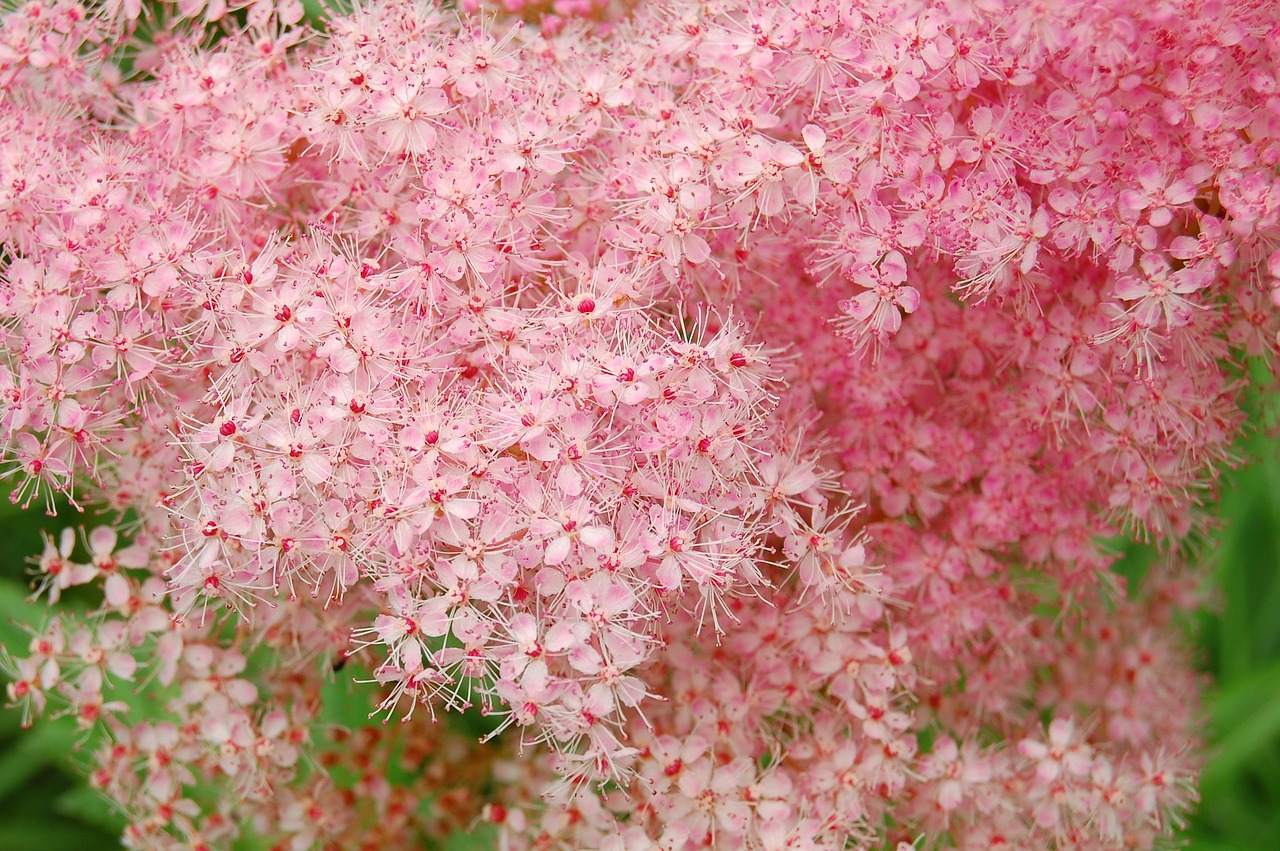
(729, 401)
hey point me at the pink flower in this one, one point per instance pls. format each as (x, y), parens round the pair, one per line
(406, 112)
(1158, 294)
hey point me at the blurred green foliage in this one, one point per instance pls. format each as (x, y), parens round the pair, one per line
(1240, 643)
(45, 804)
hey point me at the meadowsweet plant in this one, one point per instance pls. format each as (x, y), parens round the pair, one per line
(659, 425)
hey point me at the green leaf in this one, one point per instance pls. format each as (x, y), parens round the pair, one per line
(485, 836)
(16, 610)
(316, 10)
(91, 808)
(1245, 697)
(35, 749)
(30, 833)
(1203, 844)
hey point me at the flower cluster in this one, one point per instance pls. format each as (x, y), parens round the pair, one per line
(722, 405)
